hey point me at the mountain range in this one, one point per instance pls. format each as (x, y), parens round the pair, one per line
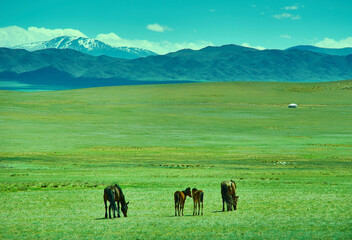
(331, 51)
(87, 45)
(67, 68)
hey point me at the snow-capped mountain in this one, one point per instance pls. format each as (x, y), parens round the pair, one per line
(87, 45)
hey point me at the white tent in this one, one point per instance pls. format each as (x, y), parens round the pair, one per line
(292, 105)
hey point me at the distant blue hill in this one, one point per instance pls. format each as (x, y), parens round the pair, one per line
(50, 78)
(68, 68)
(330, 51)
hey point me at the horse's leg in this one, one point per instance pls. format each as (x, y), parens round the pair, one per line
(202, 208)
(229, 207)
(197, 202)
(182, 206)
(118, 209)
(198, 207)
(223, 204)
(179, 209)
(176, 208)
(194, 207)
(113, 212)
(110, 210)
(106, 209)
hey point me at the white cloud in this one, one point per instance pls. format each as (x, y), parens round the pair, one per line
(249, 46)
(296, 17)
(291, 7)
(162, 47)
(158, 28)
(287, 15)
(108, 37)
(285, 36)
(332, 43)
(13, 35)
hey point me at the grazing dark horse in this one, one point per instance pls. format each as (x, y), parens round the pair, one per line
(198, 196)
(228, 193)
(114, 194)
(180, 198)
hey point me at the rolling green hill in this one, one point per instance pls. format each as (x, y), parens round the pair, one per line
(292, 167)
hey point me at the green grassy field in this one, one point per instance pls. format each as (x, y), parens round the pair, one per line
(292, 167)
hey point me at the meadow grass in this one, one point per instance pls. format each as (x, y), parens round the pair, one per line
(292, 167)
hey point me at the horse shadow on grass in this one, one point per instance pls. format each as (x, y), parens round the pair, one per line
(186, 215)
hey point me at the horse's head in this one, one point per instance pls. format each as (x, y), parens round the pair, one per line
(235, 202)
(194, 190)
(124, 209)
(188, 192)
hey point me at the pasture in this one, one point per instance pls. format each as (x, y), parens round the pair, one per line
(292, 167)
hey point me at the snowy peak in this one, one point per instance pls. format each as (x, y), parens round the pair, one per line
(87, 45)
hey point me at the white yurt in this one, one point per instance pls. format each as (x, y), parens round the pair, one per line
(292, 105)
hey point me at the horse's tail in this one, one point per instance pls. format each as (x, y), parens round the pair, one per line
(225, 195)
(176, 197)
(201, 196)
(110, 194)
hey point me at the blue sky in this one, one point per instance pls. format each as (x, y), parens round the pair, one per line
(169, 25)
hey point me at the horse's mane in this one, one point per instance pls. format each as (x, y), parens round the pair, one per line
(121, 193)
(234, 183)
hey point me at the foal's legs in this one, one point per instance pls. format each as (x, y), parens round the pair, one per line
(194, 206)
(202, 208)
(177, 208)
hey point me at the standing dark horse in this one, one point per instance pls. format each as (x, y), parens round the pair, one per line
(114, 194)
(198, 196)
(228, 194)
(180, 198)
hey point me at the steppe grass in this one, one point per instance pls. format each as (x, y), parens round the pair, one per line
(292, 166)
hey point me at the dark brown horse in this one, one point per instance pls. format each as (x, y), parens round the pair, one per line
(114, 194)
(228, 194)
(198, 196)
(180, 198)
